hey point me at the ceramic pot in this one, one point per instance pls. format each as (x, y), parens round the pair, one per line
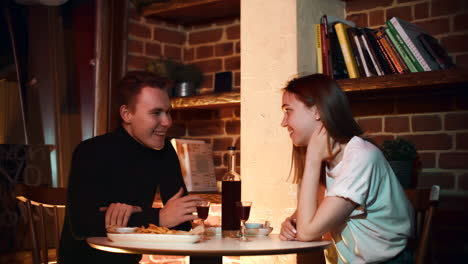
(185, 89)
(403, 171)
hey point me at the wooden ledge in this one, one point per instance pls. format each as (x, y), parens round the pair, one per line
(215, 100)
(188, 12)
(442, 79)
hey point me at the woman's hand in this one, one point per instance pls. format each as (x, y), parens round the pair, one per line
(317, 148)
(288, 229)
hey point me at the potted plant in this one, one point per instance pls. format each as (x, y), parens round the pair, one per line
(404, 160)
(187, 77)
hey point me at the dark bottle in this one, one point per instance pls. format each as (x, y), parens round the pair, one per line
(231, 193)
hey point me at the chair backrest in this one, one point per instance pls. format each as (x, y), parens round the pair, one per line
(424, 202)
(42, 197)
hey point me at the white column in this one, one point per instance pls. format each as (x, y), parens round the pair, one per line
(277, 42)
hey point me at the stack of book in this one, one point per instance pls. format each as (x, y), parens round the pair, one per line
(345, 51)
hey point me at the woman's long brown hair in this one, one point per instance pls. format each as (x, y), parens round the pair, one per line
(335, 113)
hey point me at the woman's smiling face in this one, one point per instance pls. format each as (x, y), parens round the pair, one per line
(300, 120)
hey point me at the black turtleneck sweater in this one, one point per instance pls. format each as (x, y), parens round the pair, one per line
(114, 168)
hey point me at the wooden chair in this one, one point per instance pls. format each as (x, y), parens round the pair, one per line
(42, 197)
(424, 202)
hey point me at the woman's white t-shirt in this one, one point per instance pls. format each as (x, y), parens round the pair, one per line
(379, 227)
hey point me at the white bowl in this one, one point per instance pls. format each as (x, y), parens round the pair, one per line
(258, 231)
(125, 229)
(253, 225)
(213, 231)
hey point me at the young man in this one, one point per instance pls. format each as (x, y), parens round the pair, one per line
(114, 177)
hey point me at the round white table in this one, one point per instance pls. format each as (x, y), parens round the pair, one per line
(213, 249)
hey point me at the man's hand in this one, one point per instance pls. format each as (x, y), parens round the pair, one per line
(117, 214)
(178, 209)
(288, 230)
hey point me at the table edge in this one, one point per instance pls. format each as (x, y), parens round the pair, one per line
(123, 249)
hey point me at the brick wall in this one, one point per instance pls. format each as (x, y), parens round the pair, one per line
(214, 47)
(440, 137)
(439, 133)
(149, 39)
(443, 19)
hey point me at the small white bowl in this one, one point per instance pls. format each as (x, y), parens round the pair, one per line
(125, 229)
(253, 225)
(213, 231)
(258, 231)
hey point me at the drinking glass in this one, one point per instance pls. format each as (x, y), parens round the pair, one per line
(243, 209)
(203, 207)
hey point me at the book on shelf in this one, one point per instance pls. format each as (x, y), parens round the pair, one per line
(346, 49)
(385, 56)
(351, 36)
(326, 60)
(385, 64)
(350, 52)
(401, 51)
(196, 163)
(339, 69)
(395, 57)
(409, 32)
(318, 48)
(433, 47)
(328, 43)
(372, 53)
(364, 56)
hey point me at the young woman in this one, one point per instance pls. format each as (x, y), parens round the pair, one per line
(365, 208)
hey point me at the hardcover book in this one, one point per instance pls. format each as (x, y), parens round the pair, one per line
(391, 51)
(372, 54)
(318, 47)
(351, 35)
(364, 56)
(436, 50)
(379, 53)
(409, 33)
(346, 49)
(404, 55)
(332, 63)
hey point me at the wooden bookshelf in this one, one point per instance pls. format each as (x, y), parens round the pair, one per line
(215, 100)
(453, 79)
(421, 81)
(188, 12)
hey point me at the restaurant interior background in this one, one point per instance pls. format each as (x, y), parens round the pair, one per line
(71, 56)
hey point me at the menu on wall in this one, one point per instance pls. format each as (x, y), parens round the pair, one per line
(196, 162)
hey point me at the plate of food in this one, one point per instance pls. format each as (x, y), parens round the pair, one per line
(153, 234)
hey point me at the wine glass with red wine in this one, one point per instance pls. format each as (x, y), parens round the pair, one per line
(243, 209)
(203, 208)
